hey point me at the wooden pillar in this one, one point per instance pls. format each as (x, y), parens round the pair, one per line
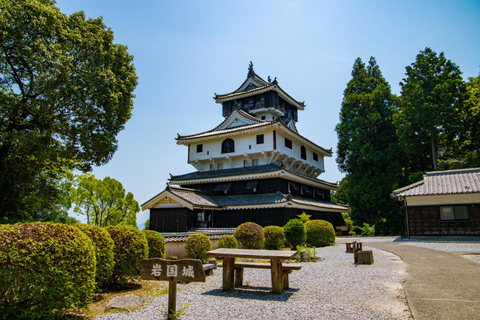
(228, 273)
(277, 275)
(238, 277)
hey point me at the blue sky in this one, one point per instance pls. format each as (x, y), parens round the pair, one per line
(185, 51)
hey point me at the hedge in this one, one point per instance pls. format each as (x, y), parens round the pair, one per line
(250, 235)
(156, 244)
(45, 269)
(130, 247)
(274, 237)
(320, 233)
(197, 246)
(294, 233)
(104, 246)
(227, 241)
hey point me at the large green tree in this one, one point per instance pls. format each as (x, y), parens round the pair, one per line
(66, 90)
(104, 202)
(367, 147)
(471, 145)
(430, 119)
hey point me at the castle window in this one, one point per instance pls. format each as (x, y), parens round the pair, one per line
(199, 148)
(315, 157)
(228, 146)
(288, 143)
(219, 166)
(255, 162)
(260, 139)
(303, 153)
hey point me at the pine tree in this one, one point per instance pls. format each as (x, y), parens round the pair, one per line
(367, 144)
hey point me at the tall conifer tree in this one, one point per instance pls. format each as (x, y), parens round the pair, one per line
(430, 121)
(367, 144)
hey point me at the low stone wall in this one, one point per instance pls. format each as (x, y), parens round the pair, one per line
(175, 242)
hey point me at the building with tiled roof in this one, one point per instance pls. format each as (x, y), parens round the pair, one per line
(443, 203)
(254, 166)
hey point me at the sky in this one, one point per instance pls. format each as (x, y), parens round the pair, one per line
(186, 51)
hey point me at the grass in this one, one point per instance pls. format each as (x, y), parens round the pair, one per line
(144, 289)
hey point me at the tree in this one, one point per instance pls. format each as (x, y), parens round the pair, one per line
(66, 91)
(104, 202)
(471, 147)
(367, 147)
(430, 120)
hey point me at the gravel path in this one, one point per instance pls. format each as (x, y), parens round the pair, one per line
(333, 288)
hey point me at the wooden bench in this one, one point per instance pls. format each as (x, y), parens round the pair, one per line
(363, 257)
(286, 267)
(208, 267)
(353, 246)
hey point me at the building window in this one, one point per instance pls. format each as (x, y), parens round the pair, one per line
(212, 167)
(255, 162)
(199, 148)
(288, 143)
(454, 213)
(260, 139)
(315, 157)
(263, 117)
(245, 163)
(303, 153)
(219, 166)
(228, 146)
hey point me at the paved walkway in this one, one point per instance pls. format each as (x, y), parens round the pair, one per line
(440, 285)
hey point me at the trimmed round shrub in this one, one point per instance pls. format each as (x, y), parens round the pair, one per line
(294, 233)
(320, 233)
(45, 269)
(274, 237)
(130, 247)
(197, 246)
(156, 244)
(249, 235)
(227, 241)
(104, 246)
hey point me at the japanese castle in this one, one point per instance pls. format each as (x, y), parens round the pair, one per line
(253, 167)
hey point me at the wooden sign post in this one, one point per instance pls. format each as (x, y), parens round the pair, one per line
(173, 271)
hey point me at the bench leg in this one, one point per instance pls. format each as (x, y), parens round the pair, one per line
(286, 282)
(228, 273)
(277, 276)
(238, 277)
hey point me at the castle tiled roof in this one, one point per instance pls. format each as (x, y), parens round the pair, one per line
(461, 181)
(226, 172)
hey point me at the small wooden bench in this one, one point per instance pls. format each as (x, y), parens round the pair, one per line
(287, 269)
(208, 267)
(353, 246)
(363, 257)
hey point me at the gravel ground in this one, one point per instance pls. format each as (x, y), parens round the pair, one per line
(333, 288)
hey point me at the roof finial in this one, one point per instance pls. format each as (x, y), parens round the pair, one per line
(250, 70)
(269, 79)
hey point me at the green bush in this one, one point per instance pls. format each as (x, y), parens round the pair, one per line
(367, 230)
(104, 246)
(320, 233)
(130, 247)
(227, 241)
(45, 269)
(274, 237)
(249, 235)
(197, 246)
(294, 233)
(156, 244)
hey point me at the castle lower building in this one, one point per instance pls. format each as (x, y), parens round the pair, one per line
(254, 166)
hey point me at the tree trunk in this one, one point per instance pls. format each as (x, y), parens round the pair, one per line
(434, 151)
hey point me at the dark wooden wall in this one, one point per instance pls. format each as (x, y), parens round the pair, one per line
(171, 219)
(425, 220)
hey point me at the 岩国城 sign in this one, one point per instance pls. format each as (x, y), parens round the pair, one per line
(184, 270)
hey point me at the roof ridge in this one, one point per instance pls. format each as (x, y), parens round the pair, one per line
(445, 172)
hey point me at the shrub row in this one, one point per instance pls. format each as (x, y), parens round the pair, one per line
(48, 268)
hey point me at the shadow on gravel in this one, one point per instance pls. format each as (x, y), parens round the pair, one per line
(252, 293)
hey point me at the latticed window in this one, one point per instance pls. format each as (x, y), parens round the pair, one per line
(228, 146)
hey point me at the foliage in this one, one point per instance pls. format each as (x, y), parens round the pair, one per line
(249, 235)
(147, 225)
(295, 233)
(304, 217)
(367, 230)
(103, 245)
(227, 241)
(274, 237)
(45, 269)
(320, 233)
(311, 253)
(174, 314)
(156, 244)
(430, 120)
(130, 247)
(104, 202)
(340, 196)
(367, 147)
(66, 92)
(197, 246)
